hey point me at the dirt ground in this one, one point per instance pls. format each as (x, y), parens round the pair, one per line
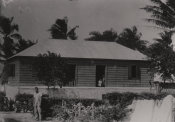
(26, 117)
(17, 117)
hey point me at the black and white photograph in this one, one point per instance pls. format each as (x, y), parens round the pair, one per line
(87, 60)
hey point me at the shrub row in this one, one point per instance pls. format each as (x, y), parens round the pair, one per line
(48, 103)
(24, 102)
(127, 97)
(5, 104)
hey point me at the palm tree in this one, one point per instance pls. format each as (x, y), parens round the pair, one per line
(7, 46)
(8, 32)
(22, 44)
(161, 53)
(108, 35)
(161, 56)
(11, 43)
(59, 30)
(162, 13)
(71, 34)
(131, 38)
(165, 38)
(160, 45)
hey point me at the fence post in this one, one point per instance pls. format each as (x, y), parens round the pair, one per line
(173, 110)
(79, 109)
(92, 106)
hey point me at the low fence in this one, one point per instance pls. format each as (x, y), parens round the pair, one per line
(75, 92)
(85, 92)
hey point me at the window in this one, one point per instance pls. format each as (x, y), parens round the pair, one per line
(100, 75)
(12, 70)
(71, 74)
(134, 72)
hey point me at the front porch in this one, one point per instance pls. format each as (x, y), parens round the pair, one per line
(75, 92)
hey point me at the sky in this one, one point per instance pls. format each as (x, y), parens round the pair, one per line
(35, 17)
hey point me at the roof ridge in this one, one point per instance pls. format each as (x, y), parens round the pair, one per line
(83, 49)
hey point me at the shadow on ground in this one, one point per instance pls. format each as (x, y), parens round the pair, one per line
(10, 120)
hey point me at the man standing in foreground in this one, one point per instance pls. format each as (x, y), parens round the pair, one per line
(37, 104)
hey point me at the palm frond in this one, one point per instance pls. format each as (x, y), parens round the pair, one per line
(16, 36)
(160, 23)
(162, 13)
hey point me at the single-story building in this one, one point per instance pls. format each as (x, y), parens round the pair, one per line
(119, 66)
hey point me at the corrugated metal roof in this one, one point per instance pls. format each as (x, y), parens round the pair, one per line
(84, 49)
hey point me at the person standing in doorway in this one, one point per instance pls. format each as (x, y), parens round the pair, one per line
(100, 83)
(103, 81)
(37, 104)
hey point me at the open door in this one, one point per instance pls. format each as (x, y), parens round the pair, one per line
(100, 75)
(72, 69)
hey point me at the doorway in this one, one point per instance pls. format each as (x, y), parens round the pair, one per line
(100, 75)
(72, 73)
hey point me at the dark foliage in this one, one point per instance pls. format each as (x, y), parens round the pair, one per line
(108, 35)
(23, 44)
(58, 110)
(59, 30)
(71, 34)
(23, 102)
(114, 113)
(48, 104)
(52, 69)
(162, 56)
(11, 42)
(131, 38)
(162, 13)
(125, 99)
(167, 85)
(9, 32)
(120, 98)
(5, 104)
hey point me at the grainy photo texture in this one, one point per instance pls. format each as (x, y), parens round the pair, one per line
(87, 60)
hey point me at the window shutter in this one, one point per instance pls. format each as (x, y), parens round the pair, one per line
(129, 72)
(138, 72)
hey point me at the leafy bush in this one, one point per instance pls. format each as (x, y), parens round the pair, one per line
(5, 104)
(11, 105)
(152, 96)
(125, 99)
(23, 102)
(113, 113)
(120, 98)
(89, 113)
(84, 102)
(60, 112)
(48, 103)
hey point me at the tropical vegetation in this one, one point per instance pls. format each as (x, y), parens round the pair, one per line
(59, 30)
(11, 43)
(162, 13)
(52, 69)
(129, 37)
(107, 35)
(161, 52)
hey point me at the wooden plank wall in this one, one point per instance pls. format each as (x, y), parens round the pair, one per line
(118, 76)
(27, 74)
(14, 80)
(145, 76)
(86, 75)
